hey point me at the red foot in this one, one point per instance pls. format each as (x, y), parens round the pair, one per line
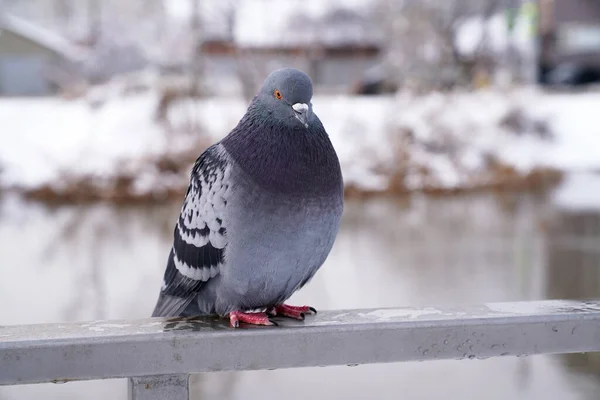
(235, 317)
(296, 312)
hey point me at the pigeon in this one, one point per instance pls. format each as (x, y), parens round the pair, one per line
(261, 213)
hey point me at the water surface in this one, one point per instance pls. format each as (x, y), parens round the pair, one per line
(101, 262)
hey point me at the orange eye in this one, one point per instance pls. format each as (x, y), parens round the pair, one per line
(277, 94)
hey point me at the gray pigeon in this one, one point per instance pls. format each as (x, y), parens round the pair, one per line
(261, 212)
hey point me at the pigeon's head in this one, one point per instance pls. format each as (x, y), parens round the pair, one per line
(286, 95)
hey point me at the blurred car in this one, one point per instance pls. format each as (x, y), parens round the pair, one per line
(573, 74)
(569, 42)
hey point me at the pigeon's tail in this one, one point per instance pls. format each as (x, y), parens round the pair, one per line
(166, 306)
(170, 306)
(177, 293)
(160, 309)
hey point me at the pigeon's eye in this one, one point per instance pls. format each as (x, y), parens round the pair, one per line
(277, 94)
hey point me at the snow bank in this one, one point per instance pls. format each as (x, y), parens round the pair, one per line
(451, 136)
(46, 138)
(580, 191)
(438, 140)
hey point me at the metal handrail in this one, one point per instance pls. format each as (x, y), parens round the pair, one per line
(159, 354)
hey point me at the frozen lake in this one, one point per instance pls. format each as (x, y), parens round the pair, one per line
(101, 262)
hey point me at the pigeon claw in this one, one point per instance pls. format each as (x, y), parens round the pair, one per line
(235, 317)
(296, 312)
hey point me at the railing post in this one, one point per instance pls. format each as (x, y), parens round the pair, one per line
(159, 387)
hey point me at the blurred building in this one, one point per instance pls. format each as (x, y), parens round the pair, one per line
(333, 67)
(335, 44)
(33, 60)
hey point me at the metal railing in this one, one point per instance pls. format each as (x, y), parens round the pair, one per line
(159, 354)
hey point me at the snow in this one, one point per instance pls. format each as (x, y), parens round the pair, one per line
(450, 135)
(576, 119)
(45, 138)
(474, 120)
(580, 191)
(382, 315)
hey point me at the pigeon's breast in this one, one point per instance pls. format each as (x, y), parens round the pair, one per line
(277, 241)
(292, 162)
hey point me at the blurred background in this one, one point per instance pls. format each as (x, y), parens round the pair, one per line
(468, 132)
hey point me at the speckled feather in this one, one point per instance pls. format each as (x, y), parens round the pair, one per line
(261, 213)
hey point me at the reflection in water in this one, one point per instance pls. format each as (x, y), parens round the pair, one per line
(101, 263)
(573, 271)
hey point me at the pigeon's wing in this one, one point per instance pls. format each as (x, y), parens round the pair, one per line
(200, 237)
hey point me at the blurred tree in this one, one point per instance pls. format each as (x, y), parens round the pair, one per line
(94, 20)
(196, 61)
(421, 41)
(63, 11)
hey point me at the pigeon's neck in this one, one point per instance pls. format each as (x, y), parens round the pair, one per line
(283, 159)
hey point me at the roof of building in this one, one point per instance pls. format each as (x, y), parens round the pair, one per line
(42, 36)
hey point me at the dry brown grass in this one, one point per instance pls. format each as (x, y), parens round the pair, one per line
(121, 191)
(537, 180)
(76, 193)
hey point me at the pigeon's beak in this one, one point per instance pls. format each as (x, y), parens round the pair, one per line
(302, 113)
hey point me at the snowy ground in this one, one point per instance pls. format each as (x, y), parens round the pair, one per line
(437, 140)
(579, 192)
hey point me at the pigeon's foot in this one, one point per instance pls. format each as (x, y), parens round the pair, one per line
(296, 312)
(235, 317)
